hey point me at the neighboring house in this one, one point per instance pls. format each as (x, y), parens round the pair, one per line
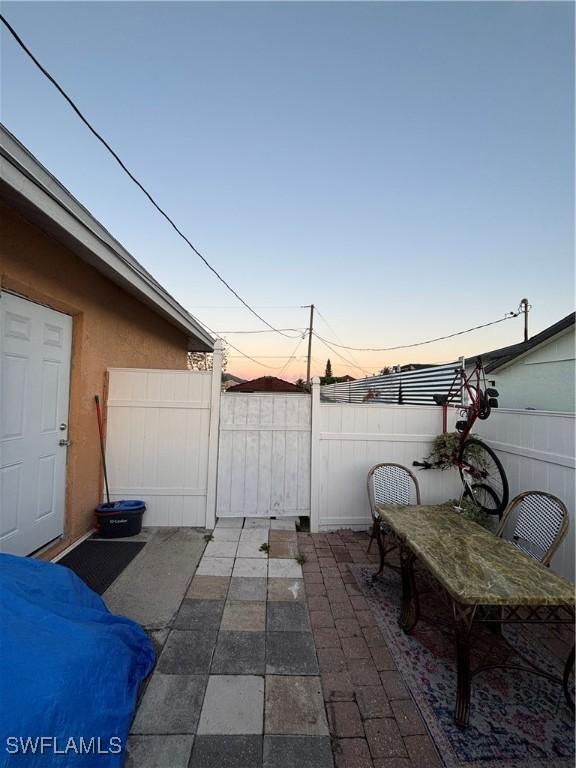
(537, 374)
(73, 303)
(416, 366)
(335, 379)
(229, 380)
(266, 384)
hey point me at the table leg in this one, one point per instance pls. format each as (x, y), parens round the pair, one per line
(495, 623)
(463, 619)
(566, 678)
(381, 548)
(410, 611)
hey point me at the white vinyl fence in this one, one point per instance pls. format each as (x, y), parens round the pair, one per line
(264, 455)
(191, 453)
(537, 449)
(162, 437)
(352, 438)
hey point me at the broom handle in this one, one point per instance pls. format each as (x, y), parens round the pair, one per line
(101, 432)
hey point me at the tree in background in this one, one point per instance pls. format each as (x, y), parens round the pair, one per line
(202, 361)
(328, 378)
(387, 370)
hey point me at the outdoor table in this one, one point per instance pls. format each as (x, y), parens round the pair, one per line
(483, 579)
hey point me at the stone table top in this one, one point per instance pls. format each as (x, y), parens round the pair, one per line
(472, 564)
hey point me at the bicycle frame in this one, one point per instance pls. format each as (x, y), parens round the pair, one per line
(461, 385)
(482, 470)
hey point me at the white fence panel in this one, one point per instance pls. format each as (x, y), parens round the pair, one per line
(264, 455)
(537, 449)
(352, 438)
(162, 427)
(157, 447)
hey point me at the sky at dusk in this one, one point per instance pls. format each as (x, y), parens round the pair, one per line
(408, 167)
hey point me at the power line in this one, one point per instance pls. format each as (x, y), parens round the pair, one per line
(243, 354)
(292, 356)
(249, 357)
(116, 157)
(335, 352)
(338, 337)
(330, 344)
(508, 316)
(253, 359)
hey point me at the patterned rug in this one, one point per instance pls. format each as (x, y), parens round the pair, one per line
(517, 720)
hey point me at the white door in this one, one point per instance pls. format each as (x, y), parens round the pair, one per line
(35, 349)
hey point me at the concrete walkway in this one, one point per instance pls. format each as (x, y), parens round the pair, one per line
(237, 684)
(152, 587)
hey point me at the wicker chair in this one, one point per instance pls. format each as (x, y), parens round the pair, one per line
(389, 484)
(536, 522)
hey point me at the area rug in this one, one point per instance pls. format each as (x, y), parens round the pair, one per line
(517, 720)
(99, 563)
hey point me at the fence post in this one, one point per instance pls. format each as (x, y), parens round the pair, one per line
(315, 457)
(214, 434)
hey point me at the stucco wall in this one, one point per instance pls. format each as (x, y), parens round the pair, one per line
(542, 380)
(110, 329)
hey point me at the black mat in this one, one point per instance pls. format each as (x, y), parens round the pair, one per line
(99, 563)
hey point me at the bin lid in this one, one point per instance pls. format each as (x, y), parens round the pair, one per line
(125, 505)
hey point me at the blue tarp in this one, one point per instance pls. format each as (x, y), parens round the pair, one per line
(69, 670)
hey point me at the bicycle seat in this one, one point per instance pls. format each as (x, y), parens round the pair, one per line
(440, 399)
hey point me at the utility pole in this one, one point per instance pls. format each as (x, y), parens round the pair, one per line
(310, 343)
(525, 308)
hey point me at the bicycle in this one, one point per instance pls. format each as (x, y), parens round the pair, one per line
(483, 477)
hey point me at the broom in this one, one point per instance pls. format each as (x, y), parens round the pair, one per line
(101, 431)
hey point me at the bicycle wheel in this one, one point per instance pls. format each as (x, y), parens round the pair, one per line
(479, 466)
(484, 497)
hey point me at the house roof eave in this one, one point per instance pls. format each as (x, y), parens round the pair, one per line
(498, 358)
(31, 188)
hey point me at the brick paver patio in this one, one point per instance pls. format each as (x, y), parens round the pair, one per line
(270, 664)
(273, 664)
(372, 719)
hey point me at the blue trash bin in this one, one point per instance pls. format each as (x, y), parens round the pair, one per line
(118, 519)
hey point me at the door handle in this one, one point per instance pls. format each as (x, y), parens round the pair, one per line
(65, 442)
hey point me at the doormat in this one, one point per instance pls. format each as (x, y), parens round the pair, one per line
(99, 563)
(516, 719)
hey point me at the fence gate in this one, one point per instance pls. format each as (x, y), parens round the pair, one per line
(264, 455)
(158, 443)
